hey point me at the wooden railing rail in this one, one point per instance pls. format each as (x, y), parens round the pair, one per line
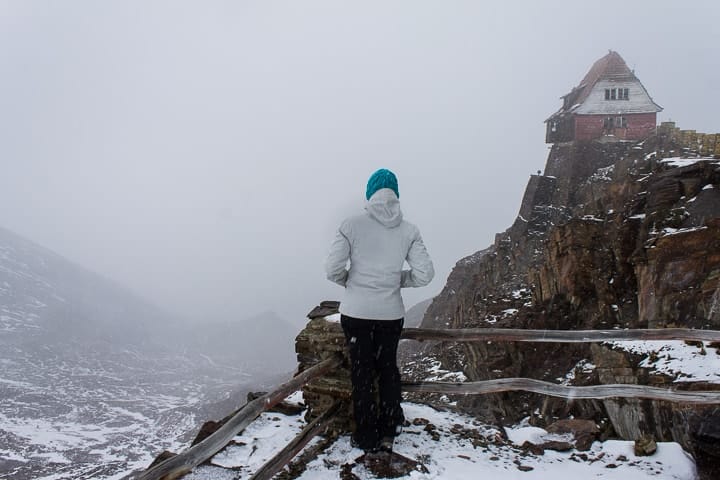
(559, 336)
(594, 392)
(184, 462)
(314, 428)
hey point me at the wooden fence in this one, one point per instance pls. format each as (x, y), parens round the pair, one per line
(184, 462)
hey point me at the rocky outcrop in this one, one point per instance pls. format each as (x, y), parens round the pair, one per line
(321, 339)
(610, 236)
(679, 278)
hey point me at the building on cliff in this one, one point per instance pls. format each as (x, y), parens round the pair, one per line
(609, 102)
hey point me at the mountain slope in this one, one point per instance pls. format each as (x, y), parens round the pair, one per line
(44, 295)
(95, 381)
(612, 235)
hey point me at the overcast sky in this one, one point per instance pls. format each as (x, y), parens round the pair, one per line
(203, 153)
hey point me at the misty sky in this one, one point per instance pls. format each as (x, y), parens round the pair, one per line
(203, 153)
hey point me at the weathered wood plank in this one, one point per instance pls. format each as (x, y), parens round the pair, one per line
(596, 392)
(559, 336)
(275, 464)
(184, 462)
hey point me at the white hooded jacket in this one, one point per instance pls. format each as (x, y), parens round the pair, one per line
(376, 245)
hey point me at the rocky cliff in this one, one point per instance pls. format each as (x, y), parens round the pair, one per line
(611, 235)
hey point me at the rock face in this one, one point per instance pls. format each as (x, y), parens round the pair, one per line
(321, 339)
(610, 236)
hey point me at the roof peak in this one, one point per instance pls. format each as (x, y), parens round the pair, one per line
(611, 65)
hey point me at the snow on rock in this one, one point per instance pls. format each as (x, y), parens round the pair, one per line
(335, 317)
(520, 293)
(260, 442)
(583, 366)
(602, 174)
(677, 359)
(437, 374)
(684, 162)
(667, 231)
(451, 446)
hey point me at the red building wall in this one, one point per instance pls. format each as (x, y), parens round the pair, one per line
(639, 126)
(588, 127)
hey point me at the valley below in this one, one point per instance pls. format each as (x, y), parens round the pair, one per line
(77, 411)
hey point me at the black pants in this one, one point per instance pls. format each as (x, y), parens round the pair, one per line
(373, 351)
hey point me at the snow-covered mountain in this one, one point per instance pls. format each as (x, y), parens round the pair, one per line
(44, 296)
(95, 381)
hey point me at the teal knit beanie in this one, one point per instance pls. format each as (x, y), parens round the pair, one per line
(383, 178)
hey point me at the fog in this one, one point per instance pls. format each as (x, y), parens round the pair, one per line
(203, 153)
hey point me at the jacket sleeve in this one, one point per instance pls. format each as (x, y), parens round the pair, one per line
(336, 263)
(421, 267)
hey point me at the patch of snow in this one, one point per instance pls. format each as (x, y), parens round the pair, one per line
(708, 186)
(516, 294)
(677, 359)
(296, 398)
(9, 455)
(583, 366)
(258, 443)
(603, 174)
(454, 456)
(335, 317)
(667, 231)
(684, 162)
(437, 374)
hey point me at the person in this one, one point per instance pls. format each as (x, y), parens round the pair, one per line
(367, 257)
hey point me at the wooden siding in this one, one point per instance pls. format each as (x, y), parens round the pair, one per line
(560, 130)
(638, 99)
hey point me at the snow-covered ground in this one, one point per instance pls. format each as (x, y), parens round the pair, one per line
(682, 361)
(98, 416)
(452, 447)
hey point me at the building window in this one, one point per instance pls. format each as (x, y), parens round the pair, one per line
(616, 94)
(621, 122)
(609, 123)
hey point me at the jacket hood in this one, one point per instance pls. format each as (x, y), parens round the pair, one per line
(384, 206)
